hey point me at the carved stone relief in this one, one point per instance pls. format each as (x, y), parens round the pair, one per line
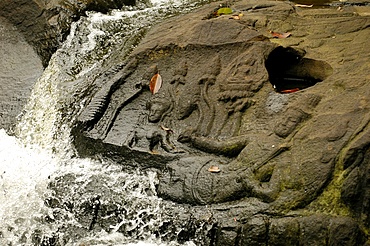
(211, 111)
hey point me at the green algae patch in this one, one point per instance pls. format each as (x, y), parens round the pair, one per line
(330, 199)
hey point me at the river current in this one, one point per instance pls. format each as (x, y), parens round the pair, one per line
(41, 152)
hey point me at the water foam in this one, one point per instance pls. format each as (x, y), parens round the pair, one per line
(45, 154)
(24, 176)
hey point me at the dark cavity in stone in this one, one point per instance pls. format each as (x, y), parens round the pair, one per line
(289, 71)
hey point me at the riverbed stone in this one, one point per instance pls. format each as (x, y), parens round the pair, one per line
(31, 31)
(259, 133)
(19, 69)
(45, 24)
(242, 115)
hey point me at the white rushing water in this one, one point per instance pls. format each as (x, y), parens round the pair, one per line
(25, 175)
(43, 152)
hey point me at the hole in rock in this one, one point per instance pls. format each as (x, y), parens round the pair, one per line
(289, 71)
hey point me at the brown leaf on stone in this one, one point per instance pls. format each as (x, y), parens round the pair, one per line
(280, 35)
(166, 129)
(304, 5)
(155, 83)
(214, 169)
(236, 17)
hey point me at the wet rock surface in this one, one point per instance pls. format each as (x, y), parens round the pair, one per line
(267, 130)
(31, 31)
(45, 24)
(255, 140)
(19, 69)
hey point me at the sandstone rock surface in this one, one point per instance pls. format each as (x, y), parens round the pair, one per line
(256, 140)
(285, 122)
(19, 69)
(45, 24)
(31, 31)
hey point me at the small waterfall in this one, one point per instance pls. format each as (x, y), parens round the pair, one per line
(32, 208)
(89, 51)
(24, 176)
(43, 183)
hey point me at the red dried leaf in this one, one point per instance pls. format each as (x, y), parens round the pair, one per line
(280, 35)
(289, 90)
(155, 83)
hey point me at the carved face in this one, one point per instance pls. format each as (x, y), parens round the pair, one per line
(247, 73)
(289, 121)
(156, 110)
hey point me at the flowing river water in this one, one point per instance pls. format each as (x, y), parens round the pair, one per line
(34, 162)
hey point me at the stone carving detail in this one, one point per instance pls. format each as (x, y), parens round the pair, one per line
(223, 105)
(263, 115)
(211, 110)
(225, 133)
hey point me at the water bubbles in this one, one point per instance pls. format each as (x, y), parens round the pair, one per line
(47, 200)
(24, 177)
(49, 196)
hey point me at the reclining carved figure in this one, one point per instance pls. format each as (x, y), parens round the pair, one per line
(215, 112)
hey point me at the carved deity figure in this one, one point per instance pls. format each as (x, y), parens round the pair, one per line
(253, 172)
(211, 111)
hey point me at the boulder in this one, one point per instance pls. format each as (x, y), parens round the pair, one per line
(258, 130)
(31, 31)
(20, 67)
(265, 109)
(45, 24)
